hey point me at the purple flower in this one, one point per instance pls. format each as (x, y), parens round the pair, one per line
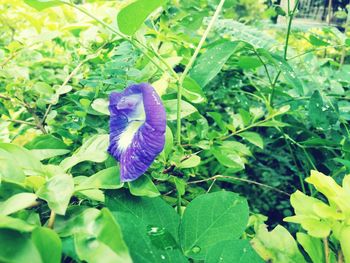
(137, 129)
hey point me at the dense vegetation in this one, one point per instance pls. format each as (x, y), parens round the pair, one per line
(257, 146)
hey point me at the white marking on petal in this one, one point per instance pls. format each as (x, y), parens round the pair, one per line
(128, 134)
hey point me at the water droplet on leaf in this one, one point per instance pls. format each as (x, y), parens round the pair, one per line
(196, 249)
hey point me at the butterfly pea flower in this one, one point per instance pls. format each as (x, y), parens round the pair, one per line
(137, 129)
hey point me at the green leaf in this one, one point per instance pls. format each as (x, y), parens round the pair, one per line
(238, 251)
(249, 62)
(150, 227)
(48, 244)
(7, 222)
(105, 179)
(57, 192)
(347, 42)
(101, 106)
(9, 169)
(279, 10)
(253, 138)
(131, 17)
(93, 149)
(47, 146)
(228, 157)
(209, 64)
(75, 220)
(43, 4)
(17, 247)
(171, 112)
(286, 70)
(321, 115)
(193, 161)
(210, 219)
(273, 123)
(17, 202)
(336, 195)
(46, 141)
(104, 240)
(143, 186)
(312, 246)
(315, 41)
(24, 159)
(277, 245)
(192, 91)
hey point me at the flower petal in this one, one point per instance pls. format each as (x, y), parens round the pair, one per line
(137, 129)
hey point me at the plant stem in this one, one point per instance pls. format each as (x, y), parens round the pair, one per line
(340, 256)
(189, 66)
(216, 177)
(178, 205)
(52, 218)
(326, 249)
(285, 50)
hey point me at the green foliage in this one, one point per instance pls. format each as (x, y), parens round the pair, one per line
(321, 219)
(131, 17)
(259, 108)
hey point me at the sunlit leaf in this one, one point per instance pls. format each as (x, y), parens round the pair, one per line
(131, 17)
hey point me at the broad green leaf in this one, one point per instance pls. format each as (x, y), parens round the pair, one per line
(17, 247)
(92, 194)
(149, 210)
(209, 64)
(48, 244)
(228, 157)
(17, 202)
(47, 146)
(193, 161)
(171, 109)
(210, 219)
(238, 251)
(253, 138)
(249, 62)
(312, 246)
(321, 115)
(143, 186)
(105, 179)
(286, 70)
(273, 123)
(150, 227)
(57, 192)
(43, 4)
(48, 153)
(239, 148)
(7, 222)
(104, 240)
(192, 91)
(101, 106)
(336, 195)
(277, 245)
(131, 17)
(46, 141)
(9, 170)
(315, 41)
(24, 159)
(93, 149)
(75, 221)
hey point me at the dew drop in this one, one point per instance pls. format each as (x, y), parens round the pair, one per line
(196, 249)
